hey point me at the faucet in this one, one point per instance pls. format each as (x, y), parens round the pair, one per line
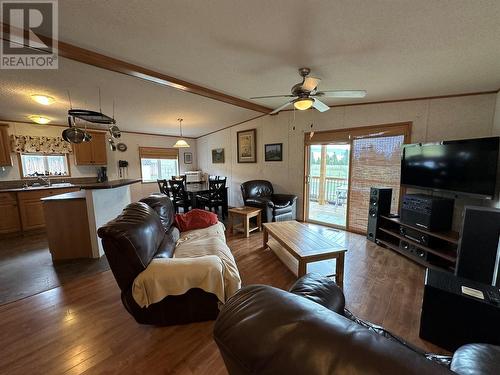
(45, 180)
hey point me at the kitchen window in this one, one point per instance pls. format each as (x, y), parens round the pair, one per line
(158, 163)
(33, 165)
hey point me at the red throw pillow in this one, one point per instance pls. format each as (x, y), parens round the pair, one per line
(195, 219)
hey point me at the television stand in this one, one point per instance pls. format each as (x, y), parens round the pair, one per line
(429, 249)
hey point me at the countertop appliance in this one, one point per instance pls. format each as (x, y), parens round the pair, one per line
(193, 177)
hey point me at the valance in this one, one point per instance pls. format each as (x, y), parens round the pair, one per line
(40, 144)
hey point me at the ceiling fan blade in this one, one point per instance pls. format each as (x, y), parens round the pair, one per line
(342, 94)
(320, 106)
(281, 107)
(310, 83)
(272, 96)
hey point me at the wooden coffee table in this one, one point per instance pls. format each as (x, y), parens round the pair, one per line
(306, 245)
(245, 214)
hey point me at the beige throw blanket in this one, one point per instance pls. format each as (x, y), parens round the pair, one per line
(201, 260)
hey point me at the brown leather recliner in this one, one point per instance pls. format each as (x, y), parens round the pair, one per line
(265, 330)
(142, 232)
(275, 207)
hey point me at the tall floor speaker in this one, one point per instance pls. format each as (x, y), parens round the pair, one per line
(380, 204)
(478, 248)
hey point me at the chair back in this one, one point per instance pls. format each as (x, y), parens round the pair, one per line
(163, 186)
(216, 189)
(177, 189)
(180, 178)
(256, 189)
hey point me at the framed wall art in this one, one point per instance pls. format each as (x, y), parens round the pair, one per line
(247, 146)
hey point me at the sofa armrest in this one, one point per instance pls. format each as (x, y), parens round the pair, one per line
(322, 290)
(284, 198)
(475, 359)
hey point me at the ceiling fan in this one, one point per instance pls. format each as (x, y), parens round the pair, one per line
(305, 94)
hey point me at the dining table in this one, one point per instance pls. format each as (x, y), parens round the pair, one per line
(202, 188)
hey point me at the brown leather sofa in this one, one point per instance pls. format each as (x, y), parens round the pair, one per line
(142, 232)
(275, 207)
(265, 330)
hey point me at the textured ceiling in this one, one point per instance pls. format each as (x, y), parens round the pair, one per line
(393, 49)
(140, 106)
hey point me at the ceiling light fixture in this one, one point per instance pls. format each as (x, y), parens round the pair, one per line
(303, 103)
(43, 99)
(181, 143)
(39, 119)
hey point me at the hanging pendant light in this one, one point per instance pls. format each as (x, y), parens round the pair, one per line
(181, 143)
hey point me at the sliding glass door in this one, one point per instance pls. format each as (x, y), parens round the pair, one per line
(328, 183)
(342, 166)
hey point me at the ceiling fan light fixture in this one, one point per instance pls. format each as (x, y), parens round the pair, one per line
(181, 143)
(43, 99)
(303, 103)
(39, 119)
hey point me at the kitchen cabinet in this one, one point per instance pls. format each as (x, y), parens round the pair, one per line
(31, 206)
(5, 159)
(93, 152)
(9, 219)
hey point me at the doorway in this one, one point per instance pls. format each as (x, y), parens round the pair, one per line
(328, 184)
(342, 165)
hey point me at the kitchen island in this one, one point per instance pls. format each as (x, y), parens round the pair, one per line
(73, 218)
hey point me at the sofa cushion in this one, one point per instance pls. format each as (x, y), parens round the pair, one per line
(163, 206)
(283, 200)
(195, 219)
(259, 201)
(256, 189)
(167, 246)
(476, 359)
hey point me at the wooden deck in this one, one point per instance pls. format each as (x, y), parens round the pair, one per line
(82, 327)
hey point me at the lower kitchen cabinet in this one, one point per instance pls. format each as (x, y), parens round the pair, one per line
(9, 219)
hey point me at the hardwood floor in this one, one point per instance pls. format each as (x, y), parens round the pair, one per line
(26, 267)
(82, 327)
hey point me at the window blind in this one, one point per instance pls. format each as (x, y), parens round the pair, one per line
(158, 153)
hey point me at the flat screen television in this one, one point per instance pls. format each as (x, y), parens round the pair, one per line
(465, 166)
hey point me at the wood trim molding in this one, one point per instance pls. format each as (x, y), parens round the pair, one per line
(89, 57)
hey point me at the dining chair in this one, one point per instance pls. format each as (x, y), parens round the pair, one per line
(215, 197)
(164, 188)
(179, 196)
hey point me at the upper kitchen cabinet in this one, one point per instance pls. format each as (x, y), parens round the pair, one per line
(93, 152)
(5, 159)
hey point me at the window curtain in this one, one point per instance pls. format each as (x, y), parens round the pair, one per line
(40, 144)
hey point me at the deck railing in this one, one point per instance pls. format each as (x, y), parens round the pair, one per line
(335, 189)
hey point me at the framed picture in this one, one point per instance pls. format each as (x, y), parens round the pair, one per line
(188, 158)
(273, 152)
(218, 156)
(247, 146)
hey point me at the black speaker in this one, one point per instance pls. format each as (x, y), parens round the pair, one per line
(478, 247)
(380, 204)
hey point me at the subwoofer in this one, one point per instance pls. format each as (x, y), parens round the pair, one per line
(380, 204)
(478, 247)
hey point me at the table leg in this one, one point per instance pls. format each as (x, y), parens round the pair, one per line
(266, 238)
(259, 222)
(231, 222)
(339, 270)
(246, 223)
(302, 268)
(193, 201)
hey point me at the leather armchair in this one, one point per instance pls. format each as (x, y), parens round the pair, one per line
(144, 231)
(265, 330)
(275, 207)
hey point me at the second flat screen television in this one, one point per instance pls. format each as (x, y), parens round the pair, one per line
(465, 166)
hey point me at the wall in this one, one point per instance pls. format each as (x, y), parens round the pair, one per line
(133, 142)
(433, 120)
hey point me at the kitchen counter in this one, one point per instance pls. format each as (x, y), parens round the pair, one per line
(41, 187)
(66, 196)
(94, 185)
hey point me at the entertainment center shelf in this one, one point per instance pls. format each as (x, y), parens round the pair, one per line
(440, 251)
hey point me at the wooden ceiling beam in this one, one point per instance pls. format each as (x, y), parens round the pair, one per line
(89, 57)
